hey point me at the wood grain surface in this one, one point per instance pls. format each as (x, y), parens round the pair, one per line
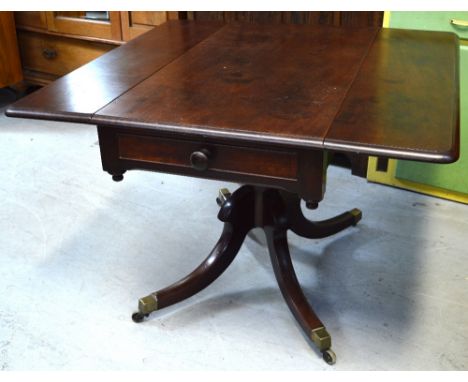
(392, 93)
(404, 102)
(251, 81)
(78, 95)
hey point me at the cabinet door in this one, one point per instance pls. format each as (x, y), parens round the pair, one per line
(98, 24)
(31, 19)
(135, 23)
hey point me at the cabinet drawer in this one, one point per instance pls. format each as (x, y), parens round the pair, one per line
(56, 55)
(208, 158)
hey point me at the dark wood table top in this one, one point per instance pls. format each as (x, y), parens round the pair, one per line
(373, 91)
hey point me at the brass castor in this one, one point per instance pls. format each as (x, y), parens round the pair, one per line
(329, 356)
(138, 317)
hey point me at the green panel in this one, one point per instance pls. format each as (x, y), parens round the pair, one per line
(454, 176)
(435, 21)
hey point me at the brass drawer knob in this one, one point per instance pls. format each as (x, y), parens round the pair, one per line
(200, 159)
(49, 53)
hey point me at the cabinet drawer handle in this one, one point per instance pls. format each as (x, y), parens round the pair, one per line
(459, 23)
(200, 159)
(49, 53)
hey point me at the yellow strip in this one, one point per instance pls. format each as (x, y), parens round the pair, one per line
(386, 19)
(389, 178)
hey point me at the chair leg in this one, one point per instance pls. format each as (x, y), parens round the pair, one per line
(301, 226)
(293, 294)
(209, 270)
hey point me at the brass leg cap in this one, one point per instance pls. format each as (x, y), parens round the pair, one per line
(148, 304)
(321, 338)
(357, 215)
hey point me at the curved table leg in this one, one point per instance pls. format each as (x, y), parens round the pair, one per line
(301, 226)
(209, 270)
(293, 294)
(276, 212)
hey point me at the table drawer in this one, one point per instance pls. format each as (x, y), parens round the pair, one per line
(56, 55)
(208, 158)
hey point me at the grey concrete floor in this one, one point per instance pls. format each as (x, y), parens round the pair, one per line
(77, 250)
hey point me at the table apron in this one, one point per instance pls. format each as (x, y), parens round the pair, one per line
(297, 170)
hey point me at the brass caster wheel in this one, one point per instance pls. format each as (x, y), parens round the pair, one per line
(329, 357)
(138, 317)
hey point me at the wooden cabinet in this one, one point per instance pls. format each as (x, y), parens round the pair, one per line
(36, 20)
(337, 18)
(55, 43)
(135, 23)
(10, 67)
(102, 25)
(45, 57)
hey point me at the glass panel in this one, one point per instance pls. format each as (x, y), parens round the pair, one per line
(86, 15)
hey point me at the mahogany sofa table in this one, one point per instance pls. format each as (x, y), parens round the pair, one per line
(265, 106)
